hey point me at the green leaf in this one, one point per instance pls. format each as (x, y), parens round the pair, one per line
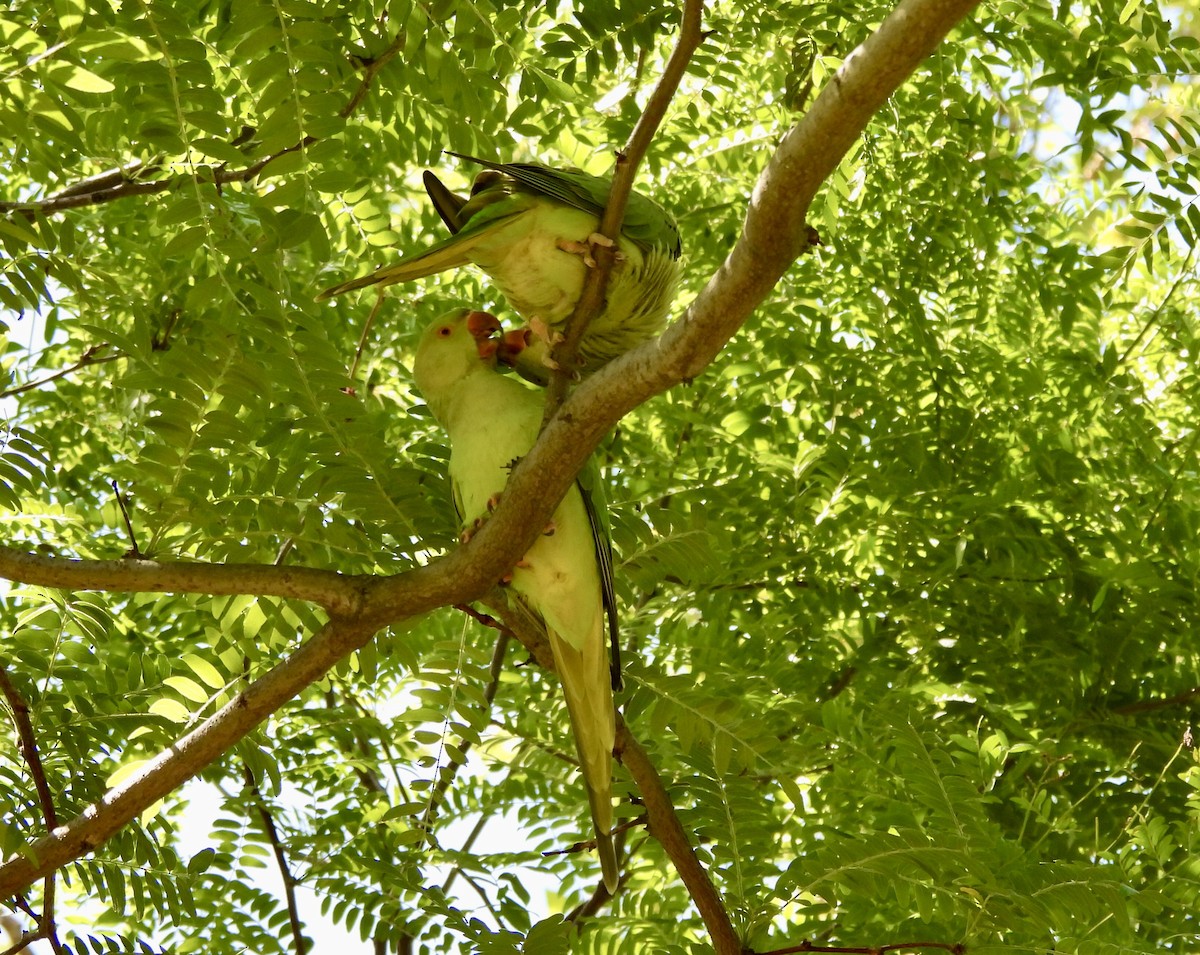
(170, 709)
(85, 81)
(204, 670)
(187, 688)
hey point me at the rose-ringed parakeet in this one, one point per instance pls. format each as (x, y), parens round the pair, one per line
(565, 578)
(529, 226)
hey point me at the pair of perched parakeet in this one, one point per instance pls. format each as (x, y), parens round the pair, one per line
(530, 227)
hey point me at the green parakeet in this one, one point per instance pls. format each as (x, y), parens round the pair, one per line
(529, 227)
(565, 578)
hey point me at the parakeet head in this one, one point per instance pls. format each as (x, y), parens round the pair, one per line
(454, 346)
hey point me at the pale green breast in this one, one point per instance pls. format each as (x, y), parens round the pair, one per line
(538, 278)
(562, 581)
(492, 422)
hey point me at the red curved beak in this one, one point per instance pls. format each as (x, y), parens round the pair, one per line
(482, 326)
(512, 343)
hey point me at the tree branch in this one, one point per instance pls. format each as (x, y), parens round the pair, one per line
(337, 593)
(662, 821)
(71, 199)
(448, 773)
(775, 233)
(664, 825)
(185, 758)
(956, 948)
(591, 297)
(285, 871)
(28, 748)
(125, 182)
(372, 67)
(91, 356)
(1147, 706)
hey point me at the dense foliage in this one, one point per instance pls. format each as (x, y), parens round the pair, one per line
(908, 576)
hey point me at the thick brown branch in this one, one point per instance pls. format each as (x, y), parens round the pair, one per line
(775, 234)
(370, 69)
(690, 38)
(27, 746)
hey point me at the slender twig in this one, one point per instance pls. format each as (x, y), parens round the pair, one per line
(484, 618)
(1158, 309)
(468, 843)
(599, 898)
(362, 339)
(372, 783)
(110, 178)
(285, 871)
(370, 68)
(450, 770)
(369, 779)
(690, 37)
(591, 297)
(1184, 445)
(109, 187)
(956, 948)
(161, 341)
(133, 547)
(90, 356)
(1145, 706)
(27, 747)
(22, 904)
(487, 902)
(218, 176)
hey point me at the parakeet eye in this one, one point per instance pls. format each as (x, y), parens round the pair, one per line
(445, 331)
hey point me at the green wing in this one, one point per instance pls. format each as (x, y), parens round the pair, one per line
(448, 204)
(646, 223)
(594, 502)
(452, 252)
(499, 195)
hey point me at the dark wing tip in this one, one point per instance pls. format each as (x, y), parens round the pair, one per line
(448, 204)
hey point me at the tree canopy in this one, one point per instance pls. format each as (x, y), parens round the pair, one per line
(908, 571)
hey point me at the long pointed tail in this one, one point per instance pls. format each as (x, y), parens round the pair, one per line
(587, 687)
(606, 847)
